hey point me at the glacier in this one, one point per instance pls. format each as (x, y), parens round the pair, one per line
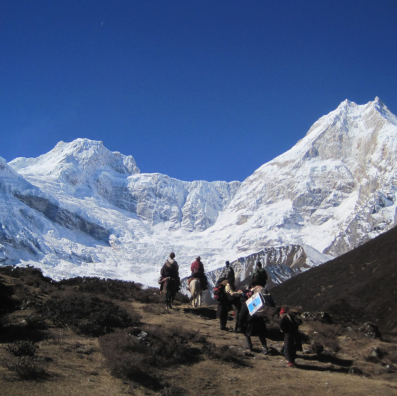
(82, 210)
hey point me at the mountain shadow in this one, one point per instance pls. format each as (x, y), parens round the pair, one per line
(360, 284)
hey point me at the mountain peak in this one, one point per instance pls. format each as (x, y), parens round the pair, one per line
(79, 147)
(82, 156)
(377, 101)
(382, 109)
(347, 103)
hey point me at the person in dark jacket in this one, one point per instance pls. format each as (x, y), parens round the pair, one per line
(253, 326)
(197, 269)
(289, 326)
(259, 277)
(230, 298)
(229, 273)
(170, 269)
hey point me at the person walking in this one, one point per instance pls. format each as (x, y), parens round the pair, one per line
(289, 325)
(229, 298)
(253, 326)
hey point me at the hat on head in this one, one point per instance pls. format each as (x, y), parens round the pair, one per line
(227, 263)
(172, 255)
(198, 258)
(283, 311)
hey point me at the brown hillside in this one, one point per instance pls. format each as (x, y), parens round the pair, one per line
(361, 284)
(89, 336)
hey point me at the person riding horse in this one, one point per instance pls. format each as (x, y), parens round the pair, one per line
(170, 269)
(170, 279)
(197, 269)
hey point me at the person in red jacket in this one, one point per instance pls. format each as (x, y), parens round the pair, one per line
(197, 269)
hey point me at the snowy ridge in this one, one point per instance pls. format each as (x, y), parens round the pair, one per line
(84, 210)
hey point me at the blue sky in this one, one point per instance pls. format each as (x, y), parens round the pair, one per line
(196, 89)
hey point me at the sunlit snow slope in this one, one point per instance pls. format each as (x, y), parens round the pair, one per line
(83, 210)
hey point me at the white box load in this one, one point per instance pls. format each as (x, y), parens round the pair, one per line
(256, 304)
(261, 305)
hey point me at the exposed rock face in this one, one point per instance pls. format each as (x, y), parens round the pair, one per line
(333, 191)
(64, 218)
(177, 204)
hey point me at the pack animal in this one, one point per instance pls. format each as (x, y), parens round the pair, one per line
(195, 290)
(170, 286)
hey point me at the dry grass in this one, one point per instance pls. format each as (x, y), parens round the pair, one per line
(183, 352)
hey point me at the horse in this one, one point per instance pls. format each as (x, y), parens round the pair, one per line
(170, 291)
(195, 291)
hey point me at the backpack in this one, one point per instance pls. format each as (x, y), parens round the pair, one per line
(219, 292)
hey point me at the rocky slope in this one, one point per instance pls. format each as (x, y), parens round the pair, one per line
(360, 284)
(83, 210)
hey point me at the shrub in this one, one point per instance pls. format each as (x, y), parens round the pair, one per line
(7, 302)
(173, 391)
(155, 308)
(27, 367)
(87, 314)
(117, 289)
(30, 275)
(224, 353)
(22, 348)
(327, 335)
(136, 354)
(36, 322)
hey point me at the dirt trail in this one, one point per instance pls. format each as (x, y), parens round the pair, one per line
(266, 373)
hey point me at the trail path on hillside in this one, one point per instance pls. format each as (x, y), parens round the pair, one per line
(266, 374)
(77, 367)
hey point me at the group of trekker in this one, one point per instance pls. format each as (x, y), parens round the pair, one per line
(228, 298)
(170, 269)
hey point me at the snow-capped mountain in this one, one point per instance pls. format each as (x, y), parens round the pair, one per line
(334, 190)
(83, 210)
